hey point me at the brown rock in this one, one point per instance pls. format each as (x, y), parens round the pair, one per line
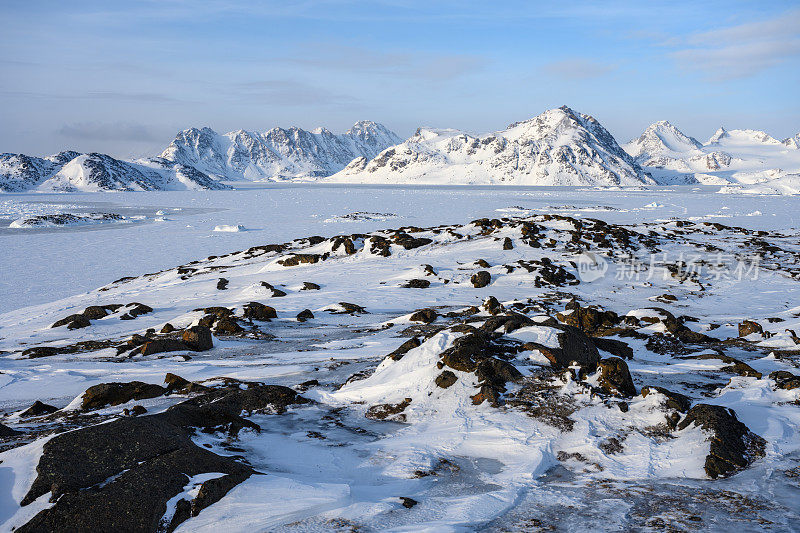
(105, 394)
(404, 348)
(162, 345)
(304, 315)
(198, 338)
(417, 284)
(308, 286)
(615, 378)
(426, 316)
(168, 328)
(481, 279)
(748, 327)
(93, 312)
(259, 311)
(445, 379)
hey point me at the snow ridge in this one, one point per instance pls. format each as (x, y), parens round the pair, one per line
(278, 153)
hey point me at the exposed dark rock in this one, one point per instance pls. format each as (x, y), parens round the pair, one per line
(136, 410)
(227, 326)
(426, 316)
(259, 311)
(748, 327)
(304, 315)
(222, 284)
(733, 445)
(613, 346)
(391, 411)
(110, 394)
(408, 503)
(38, 409)
(177, 384)
(508, 322)
(198, 338)
(492, 306)
(79, 322)
(785, 380)
(445, 379)
(118, 476)
(481, 279)
(736, 366)
(507, 244)
(591, 320)
(482, 263)
(40, 351)
(66, 320)
(417, 284)
(351, 308)
(575, 347)
(297, 259)
(308, 286)
(276, 293)
(94, 312)
(6, 431)
(615, 378)
(217, 311)
(675, 400)
(162, 345)
(404, 348)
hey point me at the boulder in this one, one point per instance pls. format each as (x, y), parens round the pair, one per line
(613, 346)
(198, 338)
(180, 385)
(38, 409)
(351, 308)
(391, 411)
(66, 320)
(222, 284)
(492, 306)
(308, 286)
(507, 244)
(615, 378)
(426, 316)
(446, 379)
(675, 400)
(785, 380)
(748, 327)
(93, 312)
(417, 284)
(481, 279)
(40, 351)
(408, 503)
(227, 326)
(110, 394)
(168, 328)
(404, 348)
(733, 446)
(259, 311)
(304, 315)
(162, 345)
(297, 259)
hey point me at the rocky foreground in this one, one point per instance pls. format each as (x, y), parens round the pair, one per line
(457, 376)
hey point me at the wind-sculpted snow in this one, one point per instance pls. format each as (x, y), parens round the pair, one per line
(478, 375)
(71, 171)
(277, 153)
(558, 147)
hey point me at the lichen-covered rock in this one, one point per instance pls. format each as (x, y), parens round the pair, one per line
(748, 327)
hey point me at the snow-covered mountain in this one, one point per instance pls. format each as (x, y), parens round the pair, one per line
(278, 153)
(558, 147)
(72, 171)
(736, 157)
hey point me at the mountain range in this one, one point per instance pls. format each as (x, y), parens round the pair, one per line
(558, 147)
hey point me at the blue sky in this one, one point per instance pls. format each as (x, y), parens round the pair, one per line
(124, 77)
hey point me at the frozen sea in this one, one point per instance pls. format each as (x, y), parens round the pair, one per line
(164, 229)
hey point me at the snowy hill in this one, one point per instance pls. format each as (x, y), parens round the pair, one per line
(558, 147)
(71, 171)
(278, 153)
(746, 159)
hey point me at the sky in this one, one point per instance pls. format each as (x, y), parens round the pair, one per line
(124, 77)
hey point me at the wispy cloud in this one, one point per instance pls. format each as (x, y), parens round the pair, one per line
(740, 51)
(94, 131)
(426, 66)
(287, 93)
(578, 69)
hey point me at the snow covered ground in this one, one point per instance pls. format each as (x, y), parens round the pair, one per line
(425, 455)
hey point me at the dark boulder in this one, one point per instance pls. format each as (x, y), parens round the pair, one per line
(222, 284)
(227, 326)
(613, 346)
(391, 411)
(481, 279)
(748, 327)
(198, 338)
(417, 284)
(408, 503)
(160, 346)
(259, 311)
(675, 400)
(308, 286)
(177, 384)
(404, 348)
(79, 322)
(349, 308)
(94, 312)
(304, 315)
(733, 446)
(38, 409)
(507, 244)
(6, 432)
(110, 394)
(615, 378)
(168, 328)
(446, 379)
(785, 380)
(492, 306)
(297, 259)
(426, 316)
(66, 320)
(40, 351)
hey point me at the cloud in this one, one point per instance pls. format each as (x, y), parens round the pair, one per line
(287, 92)
(740, 51)
(107, 132)
(421, 65)
(578, 69)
